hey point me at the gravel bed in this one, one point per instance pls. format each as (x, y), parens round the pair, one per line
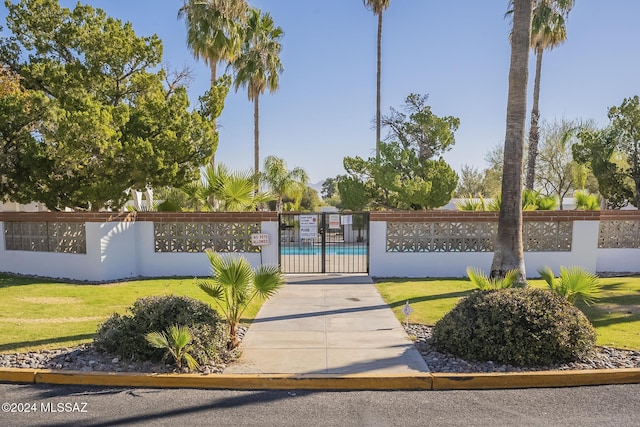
(86, 358)
(600, 358)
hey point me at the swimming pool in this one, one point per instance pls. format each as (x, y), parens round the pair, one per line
(330, 250)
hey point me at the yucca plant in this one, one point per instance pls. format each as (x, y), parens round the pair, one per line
(486, 283)
(575, 283)
(176, 341)
(235, 284)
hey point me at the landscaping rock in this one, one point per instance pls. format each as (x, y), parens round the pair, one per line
(599, 358)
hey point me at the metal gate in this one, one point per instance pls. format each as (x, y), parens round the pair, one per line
(324, 242)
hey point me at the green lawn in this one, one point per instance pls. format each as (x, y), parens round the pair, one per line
(38, 313)
(616, 315)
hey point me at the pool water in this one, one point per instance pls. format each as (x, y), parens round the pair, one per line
(330, 250)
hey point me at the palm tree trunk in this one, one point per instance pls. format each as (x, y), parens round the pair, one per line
(213, 66)
(234, 341)
(508, 250)
(256, 134)
(212, 161)
(534, 130)
(378, 79)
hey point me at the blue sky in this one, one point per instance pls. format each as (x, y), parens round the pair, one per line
(456, 51)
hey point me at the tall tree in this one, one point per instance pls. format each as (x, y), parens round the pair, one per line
(626, 120)
(508, 250)
(548, 30)
(557, 171)
(472, 182)
(93, 104)
(214, 30)
(409, 172)
(214, 33)
(283, 182)
(258, 67)
(378, 7)
(614, 154)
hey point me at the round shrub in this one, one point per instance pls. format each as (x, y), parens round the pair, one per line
(519, 326)
(125, 335)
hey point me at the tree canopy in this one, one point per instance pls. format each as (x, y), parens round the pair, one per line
(614, 154)
(94, 114)
(410, 172)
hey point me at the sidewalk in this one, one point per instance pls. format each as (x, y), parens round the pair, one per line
(327, 324)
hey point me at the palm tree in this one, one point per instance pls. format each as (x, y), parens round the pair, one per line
(508, 250)
(220, 189)
(214, 30)
(258, 67)
(282, 182)
(214, 33)
(235, 284)
(378, 7)
(548, 30)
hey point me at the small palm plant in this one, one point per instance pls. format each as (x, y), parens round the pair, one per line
(176, 342)
(485, 283)
(472, 204)
(235, 284)
(586, 201)
(575, 283)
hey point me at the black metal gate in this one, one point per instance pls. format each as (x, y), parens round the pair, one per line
(324, 242)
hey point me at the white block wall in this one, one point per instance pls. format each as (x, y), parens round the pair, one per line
(454, 264)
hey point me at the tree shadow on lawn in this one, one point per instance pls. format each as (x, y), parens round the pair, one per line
(58, 340)
(613, 309)
(459, 294)
(8, 280)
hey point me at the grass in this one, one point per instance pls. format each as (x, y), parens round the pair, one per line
(39, 313)
(615, 315)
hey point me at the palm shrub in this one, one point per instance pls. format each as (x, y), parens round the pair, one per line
(125, 335)
(485, 283)
(177, 343)
(234, 284)
(472, 204)
(586, 201)
(517, 326)
(531, 201)
(575, 283)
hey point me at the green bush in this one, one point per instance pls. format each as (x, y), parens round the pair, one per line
(517, 326)
(125, 335)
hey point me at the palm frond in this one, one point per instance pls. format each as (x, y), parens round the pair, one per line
(478, 278)
(214, 290)
(267, 280)
(157, 339)
(580, 284)
(547, 274)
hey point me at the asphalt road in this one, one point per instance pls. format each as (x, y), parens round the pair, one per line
(51, 405)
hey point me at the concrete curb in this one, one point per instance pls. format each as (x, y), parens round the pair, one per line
(426, 381)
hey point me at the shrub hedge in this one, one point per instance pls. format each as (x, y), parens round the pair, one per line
(518, 326)
(125, 335)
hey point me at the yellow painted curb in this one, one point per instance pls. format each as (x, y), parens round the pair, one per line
(425, 381)
(240, 381)
(442, 381)
(17, 375)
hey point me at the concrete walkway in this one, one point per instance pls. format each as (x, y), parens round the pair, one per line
(327, 324)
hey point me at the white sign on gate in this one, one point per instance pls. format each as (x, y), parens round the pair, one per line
(308, 226)
(334, 222)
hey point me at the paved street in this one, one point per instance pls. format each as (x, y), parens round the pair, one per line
(580, 406)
